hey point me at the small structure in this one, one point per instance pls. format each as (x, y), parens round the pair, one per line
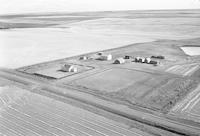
(142, 60)
(153, 62)
(137, 59)
(158, 57)
(119, 61)
(127, 57)
(83, 58)
(69, 68)
(106, 57)
(147, 60)
(100, 53)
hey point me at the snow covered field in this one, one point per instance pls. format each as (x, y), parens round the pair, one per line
(26, 46)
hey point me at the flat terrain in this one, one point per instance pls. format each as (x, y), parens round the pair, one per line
(102, 98)
(157, 88)
(138, 86)
(70, 34)
(55, 72)
(135, 87)
(135, 118)
(189, 107)
(24, 113)
(183, 69)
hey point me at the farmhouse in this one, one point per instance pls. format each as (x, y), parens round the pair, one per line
(69, 68)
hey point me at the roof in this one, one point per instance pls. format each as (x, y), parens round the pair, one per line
(119, 60)
(106, 57)
(68, 65)
(69, 68)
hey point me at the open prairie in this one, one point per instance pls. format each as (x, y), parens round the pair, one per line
(52, 36)
(153, 87)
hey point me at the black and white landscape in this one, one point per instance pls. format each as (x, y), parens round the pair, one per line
(102, 73)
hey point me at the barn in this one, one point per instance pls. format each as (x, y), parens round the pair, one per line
(69, 68)
(119, 61)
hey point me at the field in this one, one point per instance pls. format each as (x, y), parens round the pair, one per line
(156, 88)
(36, 98)
(189, 107)
(184, 69)
(70, 34)
(133, 87)
(24, 113)
(56, 73)
(108, 81)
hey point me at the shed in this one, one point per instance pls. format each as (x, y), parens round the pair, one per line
(106, 57)
(127, 57)
(158, 57)
(137, 59)
(119, 61)
(83, 58)
(153, 62)
(147, 60)
(69, 68)
(100, 53)
(142, 60)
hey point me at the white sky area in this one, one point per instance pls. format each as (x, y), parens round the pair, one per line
(27, 6)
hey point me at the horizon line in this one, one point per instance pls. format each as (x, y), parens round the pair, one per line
(71, 12)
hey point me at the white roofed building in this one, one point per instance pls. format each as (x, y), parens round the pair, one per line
(119, 61)
(69, 68)
(147, 60)
(106, 57)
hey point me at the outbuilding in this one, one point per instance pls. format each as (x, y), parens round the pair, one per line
(69, 68)
(147, 60)
(158, 57)
(153, 62)
(142, 60)
(119, 61)
(106, 57)
(100, 53)
(83, 58)
(127, 57)
(137, 59)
